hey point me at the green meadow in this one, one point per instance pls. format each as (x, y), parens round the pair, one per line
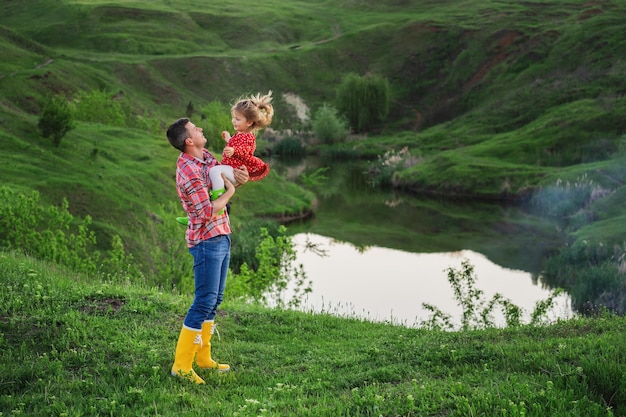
(520, 102)
(75, 347)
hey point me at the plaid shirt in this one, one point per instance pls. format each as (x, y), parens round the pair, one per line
(193, 184)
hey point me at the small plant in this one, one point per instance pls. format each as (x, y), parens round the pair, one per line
(56, 119)
(47, 233)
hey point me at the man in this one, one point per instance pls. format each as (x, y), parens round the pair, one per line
(208, 240)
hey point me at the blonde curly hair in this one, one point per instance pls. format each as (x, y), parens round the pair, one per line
(256, 108)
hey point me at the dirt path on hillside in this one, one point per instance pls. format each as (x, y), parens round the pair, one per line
(48, 62)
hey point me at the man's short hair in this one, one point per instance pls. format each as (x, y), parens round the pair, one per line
(177, 133)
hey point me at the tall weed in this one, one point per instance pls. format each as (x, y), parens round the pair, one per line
(477, 313)
(275, 273)
(384, 169)
(567, 199)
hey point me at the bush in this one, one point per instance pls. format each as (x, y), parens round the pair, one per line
(364, 100)
(98, 107)
(328, 127)
(47, 233)
(44, 232)
(478, 312)
(56, 119)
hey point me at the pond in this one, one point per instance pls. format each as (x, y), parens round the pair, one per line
(380, 254)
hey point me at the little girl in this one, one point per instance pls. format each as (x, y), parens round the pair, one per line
(249, 114)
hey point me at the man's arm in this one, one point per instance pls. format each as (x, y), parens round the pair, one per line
(221, 202)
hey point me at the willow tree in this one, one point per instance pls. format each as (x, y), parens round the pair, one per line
(363, 100)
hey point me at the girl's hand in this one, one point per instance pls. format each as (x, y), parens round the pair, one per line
(226, 136)
(228, 151)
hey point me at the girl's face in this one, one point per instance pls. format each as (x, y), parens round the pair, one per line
(240, 123)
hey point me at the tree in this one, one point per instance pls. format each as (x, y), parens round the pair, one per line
(56, 119)
(189, 110)
(364, 100)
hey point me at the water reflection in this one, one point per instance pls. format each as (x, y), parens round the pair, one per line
(388, 250)
(389, 285)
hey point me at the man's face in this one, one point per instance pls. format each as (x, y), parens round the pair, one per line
(196, 135)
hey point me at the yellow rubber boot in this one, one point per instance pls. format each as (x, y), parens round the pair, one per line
(188, 344)
(203, 357)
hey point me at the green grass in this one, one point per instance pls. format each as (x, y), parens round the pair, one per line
(71, 346)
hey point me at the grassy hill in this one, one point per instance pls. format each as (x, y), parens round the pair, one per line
(500, 96)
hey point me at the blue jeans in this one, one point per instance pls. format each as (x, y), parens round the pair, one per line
(210, 267)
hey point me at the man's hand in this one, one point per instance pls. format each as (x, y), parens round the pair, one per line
(241, 175)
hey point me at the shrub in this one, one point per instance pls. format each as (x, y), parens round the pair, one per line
(328, 127)
(56, 119)
(246, 241)
(593, 274)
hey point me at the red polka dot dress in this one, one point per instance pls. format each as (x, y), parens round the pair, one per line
(245, 145)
